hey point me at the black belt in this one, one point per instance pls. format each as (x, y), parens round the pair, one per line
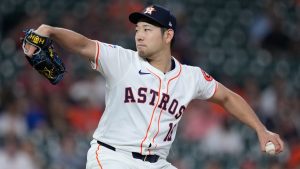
(149, 158)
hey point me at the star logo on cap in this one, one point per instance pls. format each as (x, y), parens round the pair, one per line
(149, 10)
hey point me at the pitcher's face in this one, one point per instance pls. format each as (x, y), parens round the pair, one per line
(148, 39)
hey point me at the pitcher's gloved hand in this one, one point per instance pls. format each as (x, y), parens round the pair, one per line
(45, 60)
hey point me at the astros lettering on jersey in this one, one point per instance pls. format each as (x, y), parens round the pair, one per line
(144, 105)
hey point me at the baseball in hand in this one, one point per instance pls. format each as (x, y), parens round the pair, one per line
(270, 148)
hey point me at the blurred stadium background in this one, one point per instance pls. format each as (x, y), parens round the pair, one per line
(250, 46)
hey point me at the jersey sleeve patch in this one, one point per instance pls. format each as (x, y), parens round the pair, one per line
(206, 76)
(206, 85)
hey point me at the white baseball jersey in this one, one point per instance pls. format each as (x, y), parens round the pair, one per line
(144, 105)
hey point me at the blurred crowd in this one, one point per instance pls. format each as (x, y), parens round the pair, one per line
(252, 47)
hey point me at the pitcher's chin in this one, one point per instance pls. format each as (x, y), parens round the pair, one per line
(142, 54)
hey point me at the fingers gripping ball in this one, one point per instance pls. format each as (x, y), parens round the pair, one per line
(45, 60)
(270, 148)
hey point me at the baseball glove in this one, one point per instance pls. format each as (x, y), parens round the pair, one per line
(45, 60)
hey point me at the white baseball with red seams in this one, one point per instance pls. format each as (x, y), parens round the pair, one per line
(270, 148)
(144, 105)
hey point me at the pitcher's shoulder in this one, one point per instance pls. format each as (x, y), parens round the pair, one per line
(190, 69)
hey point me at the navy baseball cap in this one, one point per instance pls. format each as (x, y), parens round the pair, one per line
(157, 14)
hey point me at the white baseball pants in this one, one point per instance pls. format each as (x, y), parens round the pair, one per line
(100, 157)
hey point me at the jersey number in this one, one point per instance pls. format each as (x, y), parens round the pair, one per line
(170, 132)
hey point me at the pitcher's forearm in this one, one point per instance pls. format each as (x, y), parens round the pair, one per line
(239, 108)
(70, 40)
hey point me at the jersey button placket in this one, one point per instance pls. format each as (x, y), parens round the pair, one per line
(157, 113)
(163, 90)
(164, 84)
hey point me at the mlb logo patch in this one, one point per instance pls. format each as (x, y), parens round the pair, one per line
(110, 45)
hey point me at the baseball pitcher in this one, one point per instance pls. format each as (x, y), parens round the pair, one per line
(147, 92)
